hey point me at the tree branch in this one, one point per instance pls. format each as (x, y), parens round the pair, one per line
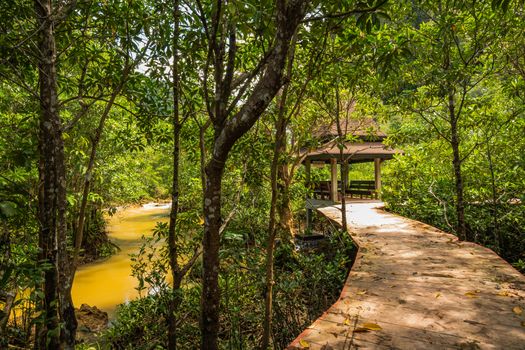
(345, 14)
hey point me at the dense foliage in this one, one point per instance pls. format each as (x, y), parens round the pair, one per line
(457, 109)
(307, 283)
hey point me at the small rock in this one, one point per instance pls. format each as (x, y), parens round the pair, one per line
(92, 318)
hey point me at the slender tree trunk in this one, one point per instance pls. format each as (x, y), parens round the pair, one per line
(86, 186)
(284, 211)
(456, 162)
(272, 231)
(210, 301)
(494, 211)
(52, 180)
(172, 237)
(202, 157)
(276, 200)
(344, 184)
(283, 205)
(344, 163)
(267, 325)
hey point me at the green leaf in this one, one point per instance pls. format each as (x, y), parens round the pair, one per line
(8, 209)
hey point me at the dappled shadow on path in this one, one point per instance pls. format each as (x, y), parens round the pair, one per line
(415, 287)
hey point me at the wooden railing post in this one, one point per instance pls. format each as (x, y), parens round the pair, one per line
(307, 169)
(377, 173)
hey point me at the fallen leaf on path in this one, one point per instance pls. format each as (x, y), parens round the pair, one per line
(361, 292)
(471, 294)
(304, 344)
(347, 322)
(365, 327)
(438, 295)
(504, 293)
(372, 326)
(517, 310)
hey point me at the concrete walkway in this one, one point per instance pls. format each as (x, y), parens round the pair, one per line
(413, 286)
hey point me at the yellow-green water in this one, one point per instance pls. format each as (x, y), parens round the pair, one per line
(107, 283)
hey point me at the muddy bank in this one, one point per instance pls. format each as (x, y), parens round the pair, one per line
(91, 323)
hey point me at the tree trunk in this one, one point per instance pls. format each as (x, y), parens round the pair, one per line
(283, 204)
(227, 132)
(86, 187)
(67, 315)
(456, 162)
(202, 154)
(276, 200)
(344, 162)
(172, 238)
(272, 231)
(270, 246)
(344, 184)
(494, 212)
(210, 301)
(52, 181)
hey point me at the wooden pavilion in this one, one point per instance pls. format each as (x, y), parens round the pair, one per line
(366, 145)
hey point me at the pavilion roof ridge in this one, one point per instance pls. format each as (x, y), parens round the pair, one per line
(362, 127)
(360, 151)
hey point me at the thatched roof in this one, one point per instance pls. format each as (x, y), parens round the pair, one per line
(364, 128)
(354, 152)
(368, 147)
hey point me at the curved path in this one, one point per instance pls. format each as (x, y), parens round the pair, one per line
(413, 286)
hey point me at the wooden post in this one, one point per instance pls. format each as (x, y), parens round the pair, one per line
(377, 173)
(333, 188)
(307, 167)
